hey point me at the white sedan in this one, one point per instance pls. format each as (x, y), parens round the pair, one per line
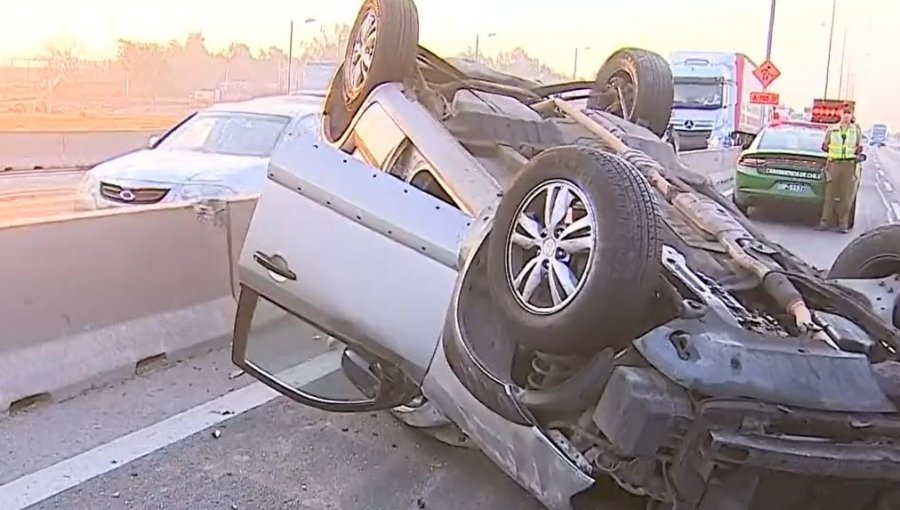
(220, 151)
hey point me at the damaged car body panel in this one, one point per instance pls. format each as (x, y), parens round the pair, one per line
(488, 408)
(720, 360)
(293, 255)
(552, 283)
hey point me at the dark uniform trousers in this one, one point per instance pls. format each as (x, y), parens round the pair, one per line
(840, 181)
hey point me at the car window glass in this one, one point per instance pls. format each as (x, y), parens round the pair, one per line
(311, 123)
(792, 139)
(280, 342)
(192, 133)
(237, 134)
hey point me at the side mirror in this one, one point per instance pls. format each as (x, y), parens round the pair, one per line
(152, 141)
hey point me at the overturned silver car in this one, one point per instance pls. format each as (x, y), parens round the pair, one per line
(529, 269)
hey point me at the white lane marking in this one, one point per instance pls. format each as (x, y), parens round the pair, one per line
(45, 483)
(884, 200)
(888, 186)
(895, 207)
(889, 206)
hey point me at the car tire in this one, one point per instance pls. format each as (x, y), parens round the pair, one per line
(653, 90)
(392, 27)
(741, 206)
(606, 305)
(874, 254)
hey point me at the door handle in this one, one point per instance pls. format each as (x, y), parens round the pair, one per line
(275, 264)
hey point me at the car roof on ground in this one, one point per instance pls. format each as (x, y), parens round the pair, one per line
(293, 105)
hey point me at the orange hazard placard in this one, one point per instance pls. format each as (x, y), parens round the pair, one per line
(766, 73)
(764, 98)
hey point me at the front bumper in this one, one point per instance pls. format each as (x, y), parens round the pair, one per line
(736, 453)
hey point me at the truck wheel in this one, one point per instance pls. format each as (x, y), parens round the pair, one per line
(382, 48)
(574, 254)
(874, 254)
(636, 85)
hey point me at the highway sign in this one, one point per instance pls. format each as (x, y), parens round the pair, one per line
(766, 73)
(770, 98)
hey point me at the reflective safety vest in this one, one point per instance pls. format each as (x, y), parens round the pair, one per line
(842, 142)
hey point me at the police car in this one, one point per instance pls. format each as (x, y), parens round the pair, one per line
(785, 164)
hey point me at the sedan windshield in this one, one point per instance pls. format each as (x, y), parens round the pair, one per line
(792, 138)
(238, 134)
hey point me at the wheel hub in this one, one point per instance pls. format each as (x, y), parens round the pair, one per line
(361, 55)
(550, 250)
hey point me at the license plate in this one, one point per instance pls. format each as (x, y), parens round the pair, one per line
(792, 187)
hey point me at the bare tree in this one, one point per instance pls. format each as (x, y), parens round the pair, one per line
(518, 62)
(63, 57)
(328, 44)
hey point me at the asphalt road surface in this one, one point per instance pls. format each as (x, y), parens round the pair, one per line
(195, 436)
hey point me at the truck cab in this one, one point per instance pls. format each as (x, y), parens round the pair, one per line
(879, 136)
(711, 105)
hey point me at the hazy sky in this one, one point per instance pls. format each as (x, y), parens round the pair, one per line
(551, 30)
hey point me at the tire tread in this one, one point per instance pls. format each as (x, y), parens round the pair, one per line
(612, 306)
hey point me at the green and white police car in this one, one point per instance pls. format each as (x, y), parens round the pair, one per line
(785, 165)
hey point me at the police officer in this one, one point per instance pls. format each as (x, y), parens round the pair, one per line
(843, 145)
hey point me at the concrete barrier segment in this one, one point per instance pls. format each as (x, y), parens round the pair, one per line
(717, 164)
(65, 149)
(91, 297)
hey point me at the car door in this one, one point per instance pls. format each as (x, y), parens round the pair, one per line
(345, 279)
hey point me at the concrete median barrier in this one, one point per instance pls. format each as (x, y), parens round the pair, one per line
(66, 149)
(717, 164)
(98, 296)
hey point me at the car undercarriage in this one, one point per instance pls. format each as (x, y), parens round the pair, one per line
(611, 301)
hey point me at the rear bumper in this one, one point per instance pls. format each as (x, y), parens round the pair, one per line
(753, 187)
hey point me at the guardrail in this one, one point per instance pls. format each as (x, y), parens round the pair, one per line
(67, 149)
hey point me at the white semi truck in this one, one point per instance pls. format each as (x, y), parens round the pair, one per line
(712, 100)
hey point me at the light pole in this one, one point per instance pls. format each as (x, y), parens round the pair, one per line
(843, 59)
(575, 65)
(290, 57)
(849, 92)
(771, 30)
(307, 21)
(478, 43)
(830, 40)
